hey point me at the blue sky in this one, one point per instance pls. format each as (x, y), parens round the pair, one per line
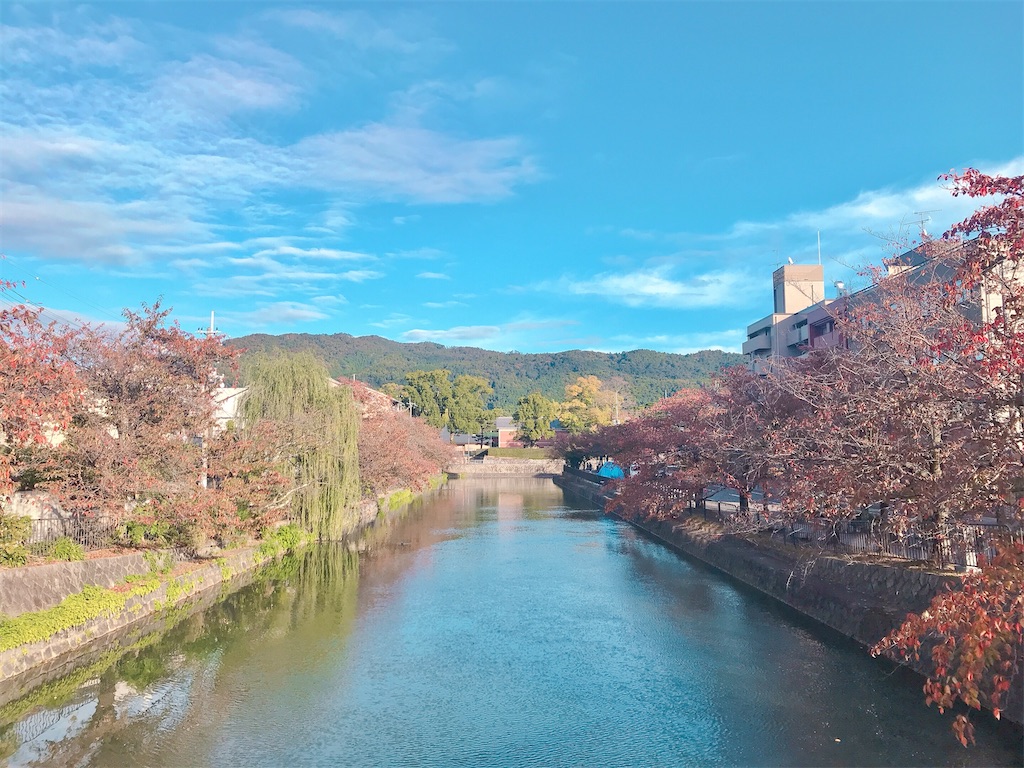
(530, 176)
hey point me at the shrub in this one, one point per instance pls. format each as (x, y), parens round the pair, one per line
(12, 554)
(14, 532)
(66, 549)
(14, 529)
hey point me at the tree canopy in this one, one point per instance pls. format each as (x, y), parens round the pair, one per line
(533, 415)
(318, 419)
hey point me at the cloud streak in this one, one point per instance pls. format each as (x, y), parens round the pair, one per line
(655, 288)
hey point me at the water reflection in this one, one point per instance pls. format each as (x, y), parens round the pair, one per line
(495, 624)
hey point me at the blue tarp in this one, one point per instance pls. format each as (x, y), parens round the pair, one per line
(610, 469)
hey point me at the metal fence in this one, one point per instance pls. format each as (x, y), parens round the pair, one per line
(964, 544)
(90, 532)
(592, 477)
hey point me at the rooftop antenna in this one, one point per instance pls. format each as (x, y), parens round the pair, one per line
(789, 259)
(819, 247)
(925, 218)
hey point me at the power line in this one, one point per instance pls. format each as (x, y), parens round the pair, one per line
(101, 310)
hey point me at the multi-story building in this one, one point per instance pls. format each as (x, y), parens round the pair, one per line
(804, 319)
(799, 314)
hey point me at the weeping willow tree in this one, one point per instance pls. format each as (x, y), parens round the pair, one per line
(316, 427)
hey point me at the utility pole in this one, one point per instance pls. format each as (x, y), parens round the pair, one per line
(212, 330)
(204, 478)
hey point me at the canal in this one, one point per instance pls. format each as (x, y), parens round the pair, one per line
(496, 624)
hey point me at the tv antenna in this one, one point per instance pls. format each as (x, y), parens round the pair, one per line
(925, 218)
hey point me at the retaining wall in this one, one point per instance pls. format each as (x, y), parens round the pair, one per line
(37, 587)
(20, 667)
(501, 466)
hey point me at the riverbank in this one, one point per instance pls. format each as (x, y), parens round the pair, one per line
(863, 598)
(56, 617)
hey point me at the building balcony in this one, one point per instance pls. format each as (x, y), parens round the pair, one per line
(757, 344)
(828, 340)
(796, 336)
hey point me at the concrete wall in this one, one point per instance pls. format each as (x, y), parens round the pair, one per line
(18, 664)
(500, 466)
(37, 587)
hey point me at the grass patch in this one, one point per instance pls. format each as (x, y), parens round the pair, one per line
(519, 453)
(399, 499)
(73, 611)
(276, 542)
(66, 549)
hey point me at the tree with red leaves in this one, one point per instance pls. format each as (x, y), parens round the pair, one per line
(668, 451)
(975, 634)
(396, 450)
(134, 446)
(40, 391)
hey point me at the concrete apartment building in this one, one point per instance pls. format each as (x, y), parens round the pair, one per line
(799, 317)
(804, 319)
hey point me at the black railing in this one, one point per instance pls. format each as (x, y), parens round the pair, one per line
(963, 545)
(583, 474)
(90, 532)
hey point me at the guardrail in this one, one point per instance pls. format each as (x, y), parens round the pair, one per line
(90, 532)
(963, 545)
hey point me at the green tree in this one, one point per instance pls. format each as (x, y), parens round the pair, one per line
(587, 405)
(468, 408)
(318, 431)
(534, 414)
(431, 394)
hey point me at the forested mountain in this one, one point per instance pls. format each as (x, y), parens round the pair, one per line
(376, 361)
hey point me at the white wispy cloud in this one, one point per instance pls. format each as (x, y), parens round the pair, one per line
(321, 254)
(418, 253)
(655, 288)
(459, 333)
(335, 300)
(414, 163)
(684, 343)
(443, 304)
(360, 275)
(509, 335)
(118, 150)
(391, 321)
(291, 312)
(358, 29)
(214, 88)
(433, 276)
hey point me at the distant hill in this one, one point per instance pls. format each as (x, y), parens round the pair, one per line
(376, 361)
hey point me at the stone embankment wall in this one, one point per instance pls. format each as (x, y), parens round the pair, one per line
(862, 599)
(500, 466)
(37, 587)
(20, 667)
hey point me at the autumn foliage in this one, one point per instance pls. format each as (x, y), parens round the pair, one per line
(396, 450)
(119, 423)
(918, 415)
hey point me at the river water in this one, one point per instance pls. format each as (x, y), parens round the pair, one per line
(496, 624)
